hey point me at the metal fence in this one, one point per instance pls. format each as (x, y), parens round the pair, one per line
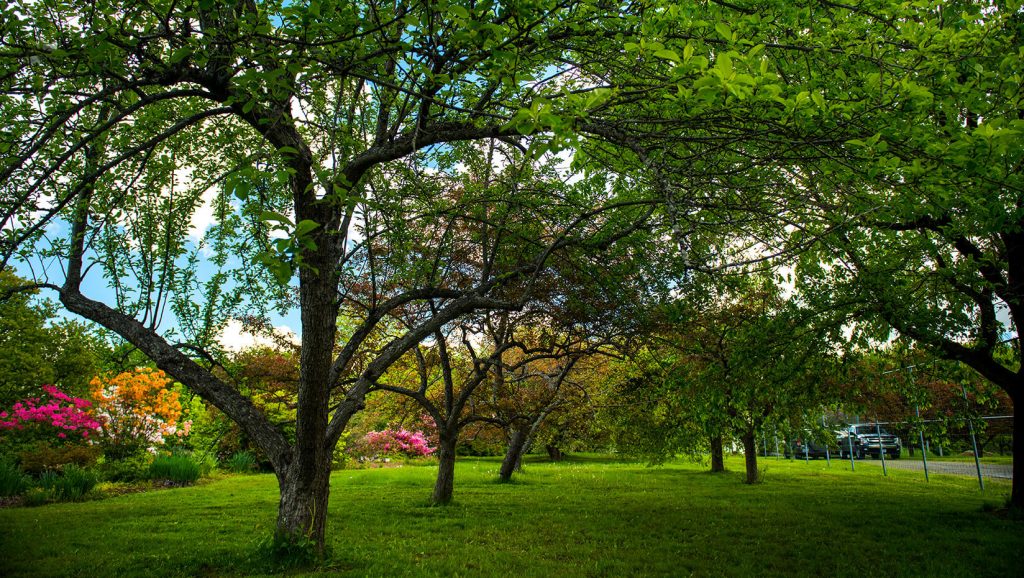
(955, 445)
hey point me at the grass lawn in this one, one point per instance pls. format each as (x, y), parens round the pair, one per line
(986, 459)
(585, 517)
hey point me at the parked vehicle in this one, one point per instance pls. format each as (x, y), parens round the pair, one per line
(863, 439)
(810, 449)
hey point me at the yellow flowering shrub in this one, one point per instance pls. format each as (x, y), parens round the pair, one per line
(138, 408)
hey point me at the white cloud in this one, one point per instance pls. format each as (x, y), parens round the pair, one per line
(234, 337)
(202, 217)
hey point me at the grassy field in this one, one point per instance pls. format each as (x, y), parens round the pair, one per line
(585, 517)
(987, 459)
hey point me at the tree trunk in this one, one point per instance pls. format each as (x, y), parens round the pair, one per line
(750, 452)
(554, 453)
(513, 455)
(302, 512)
(445, 484)
(717, 454)
(1017, 488)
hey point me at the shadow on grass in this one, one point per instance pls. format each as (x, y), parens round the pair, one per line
(582, 459)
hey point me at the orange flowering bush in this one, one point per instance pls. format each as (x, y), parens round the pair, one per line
(138, 410)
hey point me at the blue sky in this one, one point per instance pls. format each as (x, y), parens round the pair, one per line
(97, 286)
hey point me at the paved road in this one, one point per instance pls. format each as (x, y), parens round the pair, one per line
(995, 471)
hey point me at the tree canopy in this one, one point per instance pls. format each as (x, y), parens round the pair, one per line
(386, 169)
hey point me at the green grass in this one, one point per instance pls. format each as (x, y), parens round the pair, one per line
(986, 459)
(587, 517)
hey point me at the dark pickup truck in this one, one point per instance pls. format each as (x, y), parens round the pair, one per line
(863, 439)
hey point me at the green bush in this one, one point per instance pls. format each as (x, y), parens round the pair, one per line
(75, 483)
(131, 469)
(178, 469)
(48, 479)
(72, 486)
(241, 463)
(13, 482)
(37, 497)
(206, 462)
(41, 457)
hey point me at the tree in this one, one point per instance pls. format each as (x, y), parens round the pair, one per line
(36, 348)
(728, 364)
(316, 135)
(526, 391)
(919, 213)
(445, 383)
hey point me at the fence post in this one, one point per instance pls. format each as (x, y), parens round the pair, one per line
(881, 450)
(974, 440)
(849, 438)
(924, 450)
(828, 458)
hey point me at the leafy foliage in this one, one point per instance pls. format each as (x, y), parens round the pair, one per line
(13, 481)
(177, 469)
(42, 456)
(36, 348)
(241, 462)
(72, 484)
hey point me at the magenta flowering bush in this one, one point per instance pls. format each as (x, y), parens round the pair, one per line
(56, 414)
(391, 442)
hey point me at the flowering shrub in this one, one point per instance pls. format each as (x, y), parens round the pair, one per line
(395, 442)
(139, 410)
(56, 416)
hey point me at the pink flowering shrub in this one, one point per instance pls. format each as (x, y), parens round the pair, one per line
(389, 442)
(55, 416)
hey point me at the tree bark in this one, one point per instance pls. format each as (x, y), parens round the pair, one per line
(1017, 487)
(750, 453)
(445, 484)
(554, 453)
(717, 454)
(302, 511)
(513, 455)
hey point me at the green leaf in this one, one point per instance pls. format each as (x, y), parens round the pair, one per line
(724, 31)
(180, 54)
(667, 54)
(458, 11)
(724, 64)
(274, 216)
(304, 227)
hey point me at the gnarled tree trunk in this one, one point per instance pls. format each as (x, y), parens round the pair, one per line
(302, 511)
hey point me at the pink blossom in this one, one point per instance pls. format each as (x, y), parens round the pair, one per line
(51, 413)
(398, 441)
